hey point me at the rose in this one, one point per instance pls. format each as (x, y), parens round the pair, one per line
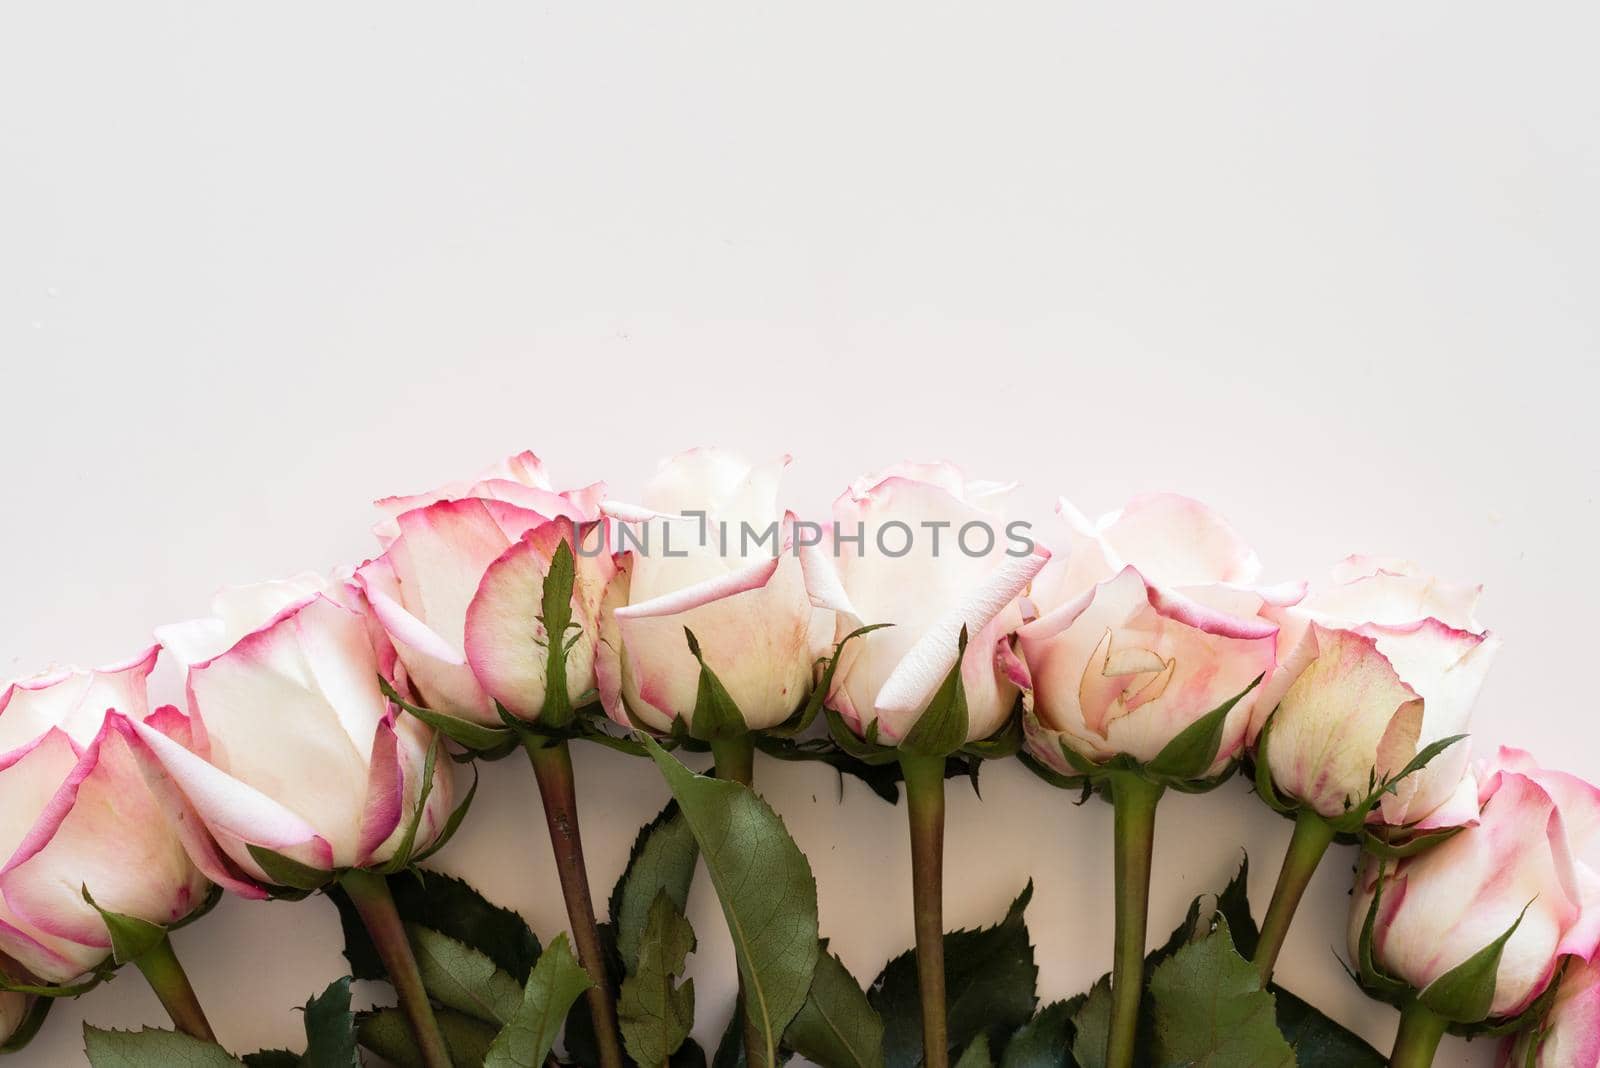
(290, 745)
(1519, 868)
(1148, 625)
(76, 811)
(1569, 1034)
(437, 547)
(934, 555)
(1375, 664)
(709, 553)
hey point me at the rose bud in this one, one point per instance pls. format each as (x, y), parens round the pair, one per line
(437, 547)
(709, 552)
(921, 547)
(77, 811)
(290, 745)
(1568, 1036)
(1375, 665)
(1148, 625)
(1477, 927)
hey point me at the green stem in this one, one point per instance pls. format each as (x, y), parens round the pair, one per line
(166, 976)
(552, 767)
(1312, 837)
(369, 892)
(924, 777)
(1134, 800)
(736, 761)
(1420, 1031)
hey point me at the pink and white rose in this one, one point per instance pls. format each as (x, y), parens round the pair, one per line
(922, 547)
(1149, 623)
(437, 548)
(77, 810)
(714, 557)
(290, 744)
(1532, 848)
(1569, 1034)
(1374, 664)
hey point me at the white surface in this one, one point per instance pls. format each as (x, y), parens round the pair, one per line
(1331, 268)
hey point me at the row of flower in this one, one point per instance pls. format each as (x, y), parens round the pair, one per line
(1139, 653)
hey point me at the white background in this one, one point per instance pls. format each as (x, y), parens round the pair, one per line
(1332, 268)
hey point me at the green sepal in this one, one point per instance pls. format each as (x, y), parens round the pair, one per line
(1006, 741)
(402, 853)
(289, 875)
(716, 714)
(807, 715)
(942, 727)
(1398, 844)
(131, 937)
(452, 824)
(1465, 993)
(1190, 754)
(1372, 978)
(1054, 777)
(556, 616)
(1354, 820)
(473, 736)
(58, 990)
(1263, 772)
(29, 1025)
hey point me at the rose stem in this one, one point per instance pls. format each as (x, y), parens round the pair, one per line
(924, 776)
(552, 767)
(1134, 800)
(160, 966)
(1312, 837)
(736, 761)
(1420, 1031)
(369, 892)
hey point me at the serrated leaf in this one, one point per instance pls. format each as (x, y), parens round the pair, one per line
(765, 887)
(1190, 754)
(152, 1048)
(942, 727)
(386, 1033)
(1092, 1025)
(450, 906)
(837, 1026)
(976, 1055)
(462, 978)
(1211, 1012)
(557, 981)
(1046, 1040)
(1317, 1041)
(331, 1029)
(663, 858)
(654, 1011)
(989, 987)
(1465, 993)
(716, 714)
(288, 872)
(730, 1048)
(1234, 906)
(271, 1058)
(131, 937)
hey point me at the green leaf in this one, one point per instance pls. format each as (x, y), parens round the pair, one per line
(555, 612)
(664, 857)
(766, 889)
(473, 736)
(837, 1027)
(1211, 1012)
(1191, 753)
(1045, 1040)
(557, 981)
(131, 937)
(331, 1029)
(271, 1058)
(976, 1055)
(1092, 1025)
(989, 987)
(730, 1048)
(1233, 904)
(716, 714)
(1317, 1041)
(942, 727)
(654, 1011)
(152, 1048)
(1465, 993)
(462, 978)
(386, 1033)
(288, 872)
(451, 907)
